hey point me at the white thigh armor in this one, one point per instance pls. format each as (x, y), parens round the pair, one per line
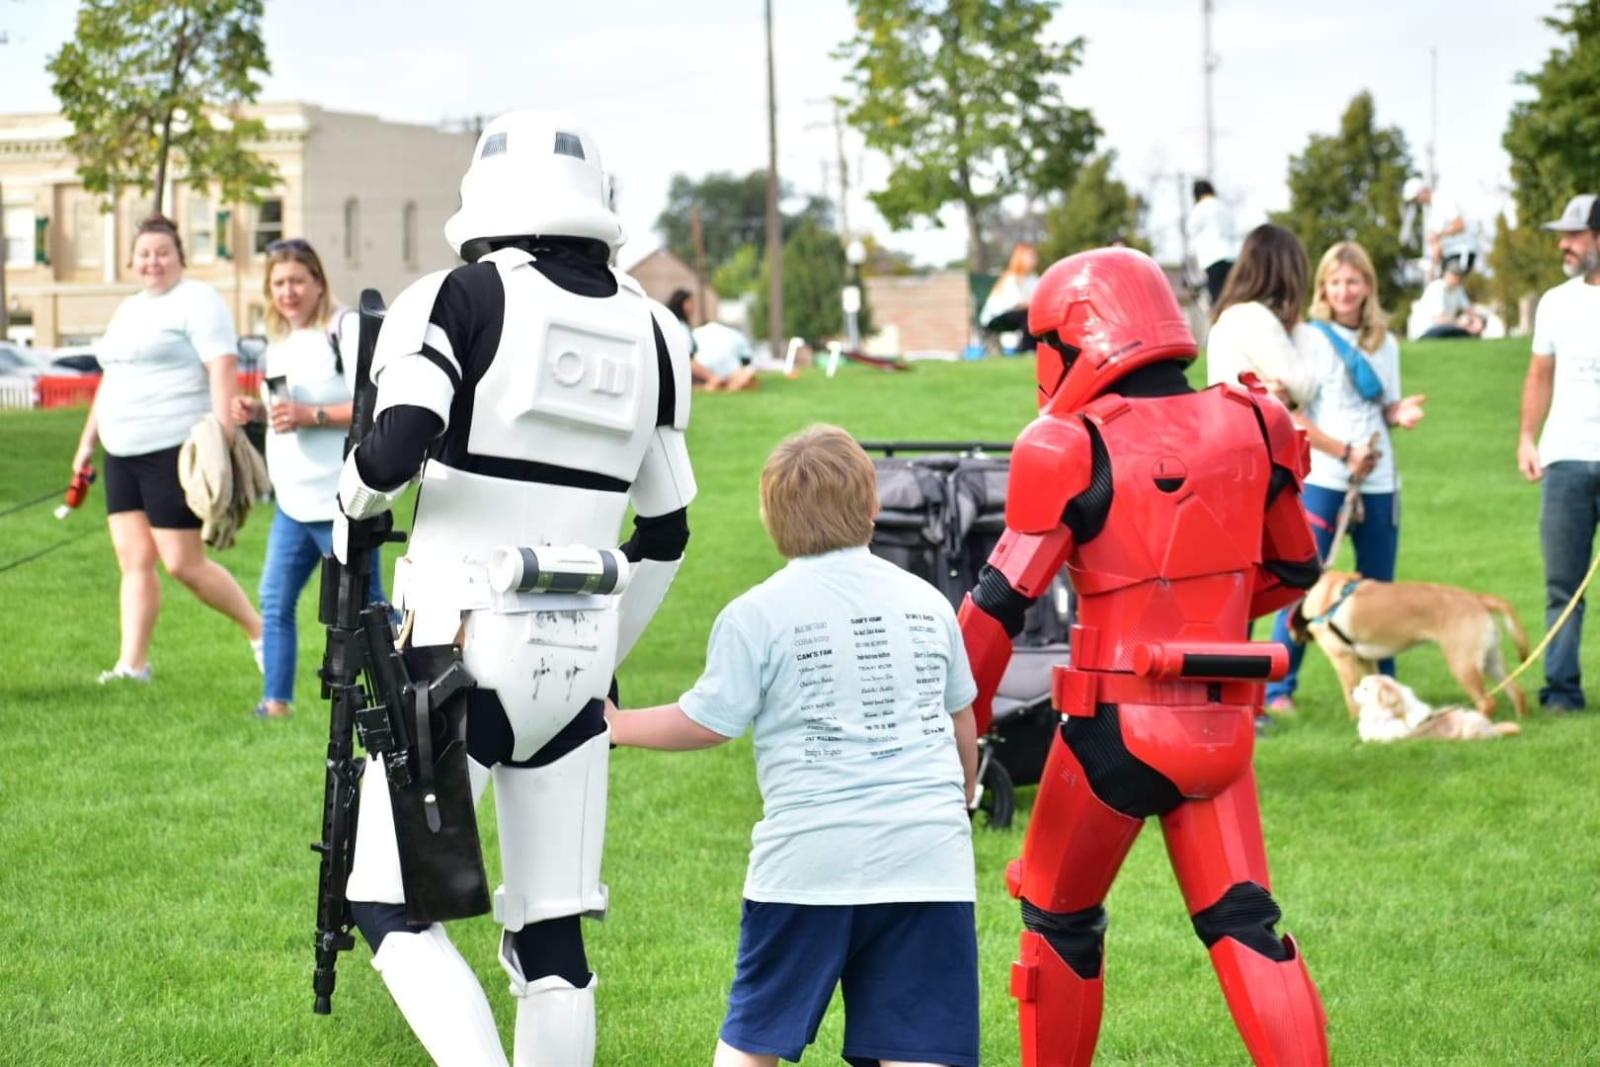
(552, 826)
(545, 664)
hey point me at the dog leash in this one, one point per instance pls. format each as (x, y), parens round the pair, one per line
(26, 504)
(1352, 510)
(1538, 650)
(30, 557)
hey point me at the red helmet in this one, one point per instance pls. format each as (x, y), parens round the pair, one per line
(1099, 315)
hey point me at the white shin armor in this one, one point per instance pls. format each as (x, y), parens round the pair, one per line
(440, 998)
(555, 1019)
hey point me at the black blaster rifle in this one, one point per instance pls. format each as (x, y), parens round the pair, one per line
(373, 694)
(352, 624)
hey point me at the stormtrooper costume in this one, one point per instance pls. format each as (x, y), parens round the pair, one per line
(537, 392)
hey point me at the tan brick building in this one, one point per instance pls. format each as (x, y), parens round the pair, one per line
(371, 196)
(920, 312)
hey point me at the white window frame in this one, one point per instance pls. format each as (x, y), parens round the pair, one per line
(201, 220)
(20, 236)
(271, 232)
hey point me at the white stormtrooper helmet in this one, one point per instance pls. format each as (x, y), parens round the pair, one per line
(534, 173)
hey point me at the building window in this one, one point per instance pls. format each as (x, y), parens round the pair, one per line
(225, 234)
(87, 242)
(352, 230)
(269, 224)
(202, 236)
(408, 232)
(20, 235)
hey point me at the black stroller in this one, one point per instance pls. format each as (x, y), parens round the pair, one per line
(941, 512)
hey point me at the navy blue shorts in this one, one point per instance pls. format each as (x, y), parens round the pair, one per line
(909, 972)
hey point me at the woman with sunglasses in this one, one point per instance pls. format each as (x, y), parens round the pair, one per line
(169, 356)
(306, 401)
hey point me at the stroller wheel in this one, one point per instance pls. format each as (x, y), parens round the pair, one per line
(999, 800)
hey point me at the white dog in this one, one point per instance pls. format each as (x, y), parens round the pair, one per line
(1390, 711)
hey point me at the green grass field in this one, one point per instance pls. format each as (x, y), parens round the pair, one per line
(157, 893)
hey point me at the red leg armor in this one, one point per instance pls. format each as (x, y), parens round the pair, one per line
(1059, 1011)
(1074, 848)
(1274, 1005)
(1217, 852)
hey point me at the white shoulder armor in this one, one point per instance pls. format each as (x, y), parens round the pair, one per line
(405, 323)
(681, 379)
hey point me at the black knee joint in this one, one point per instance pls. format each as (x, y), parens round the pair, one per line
(378, 921)
(554, 946)
(1078, 937)
(1247, 913)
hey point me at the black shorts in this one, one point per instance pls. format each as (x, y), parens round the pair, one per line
(149, 483)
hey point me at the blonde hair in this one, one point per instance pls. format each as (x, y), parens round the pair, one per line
(819, 492)
(1374, 325)
(295, 250)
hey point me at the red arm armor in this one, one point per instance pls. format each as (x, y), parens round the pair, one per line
(1289, 562)
(1050, 464)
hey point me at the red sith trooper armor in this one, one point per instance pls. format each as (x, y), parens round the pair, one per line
(1178, 517)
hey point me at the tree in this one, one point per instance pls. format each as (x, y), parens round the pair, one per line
(964, 97)
(814, 276)
(1097, 210)
(733, 211)
(1346, 187)
(739, 274)
(1554, 143)
(149, 84)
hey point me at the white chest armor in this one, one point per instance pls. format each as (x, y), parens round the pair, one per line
(573, 384)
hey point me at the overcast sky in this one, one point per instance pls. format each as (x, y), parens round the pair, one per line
(682, 87)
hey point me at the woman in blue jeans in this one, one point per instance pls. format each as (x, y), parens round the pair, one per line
(307, 391)
(1355, 400)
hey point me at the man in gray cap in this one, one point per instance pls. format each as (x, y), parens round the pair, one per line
(1561, 407)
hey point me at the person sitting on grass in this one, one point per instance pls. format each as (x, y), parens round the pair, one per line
(853, 677)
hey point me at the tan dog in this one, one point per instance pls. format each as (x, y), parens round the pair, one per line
(1358, 621)
(1391, 711)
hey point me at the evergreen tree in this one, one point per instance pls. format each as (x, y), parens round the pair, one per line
(1554, 143)
(1097, 210)
(814, 276)
(1346, 187)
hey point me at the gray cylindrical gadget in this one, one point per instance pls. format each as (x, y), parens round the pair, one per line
(547, 569)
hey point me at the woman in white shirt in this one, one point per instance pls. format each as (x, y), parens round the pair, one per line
(169, 359)
(1354, 401)
(307, 392)
(1256, 321)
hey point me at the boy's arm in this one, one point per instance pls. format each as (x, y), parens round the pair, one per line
(966, 728)
(663, 727)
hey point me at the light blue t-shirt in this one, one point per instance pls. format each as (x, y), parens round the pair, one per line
(848, 668)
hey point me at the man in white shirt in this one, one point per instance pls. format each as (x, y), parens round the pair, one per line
(1212, 240)
(1561, 395)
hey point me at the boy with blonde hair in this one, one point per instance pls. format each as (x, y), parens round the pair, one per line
(853, 677)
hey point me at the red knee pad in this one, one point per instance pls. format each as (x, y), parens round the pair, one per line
(1274, 1005)
(1059, 1012)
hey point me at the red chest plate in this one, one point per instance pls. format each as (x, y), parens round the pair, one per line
(1182, 540)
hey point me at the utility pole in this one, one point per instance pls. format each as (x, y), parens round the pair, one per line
(1433, 114)
(1208, 63)
(697, 239)
(844, 174)
(774, 223)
